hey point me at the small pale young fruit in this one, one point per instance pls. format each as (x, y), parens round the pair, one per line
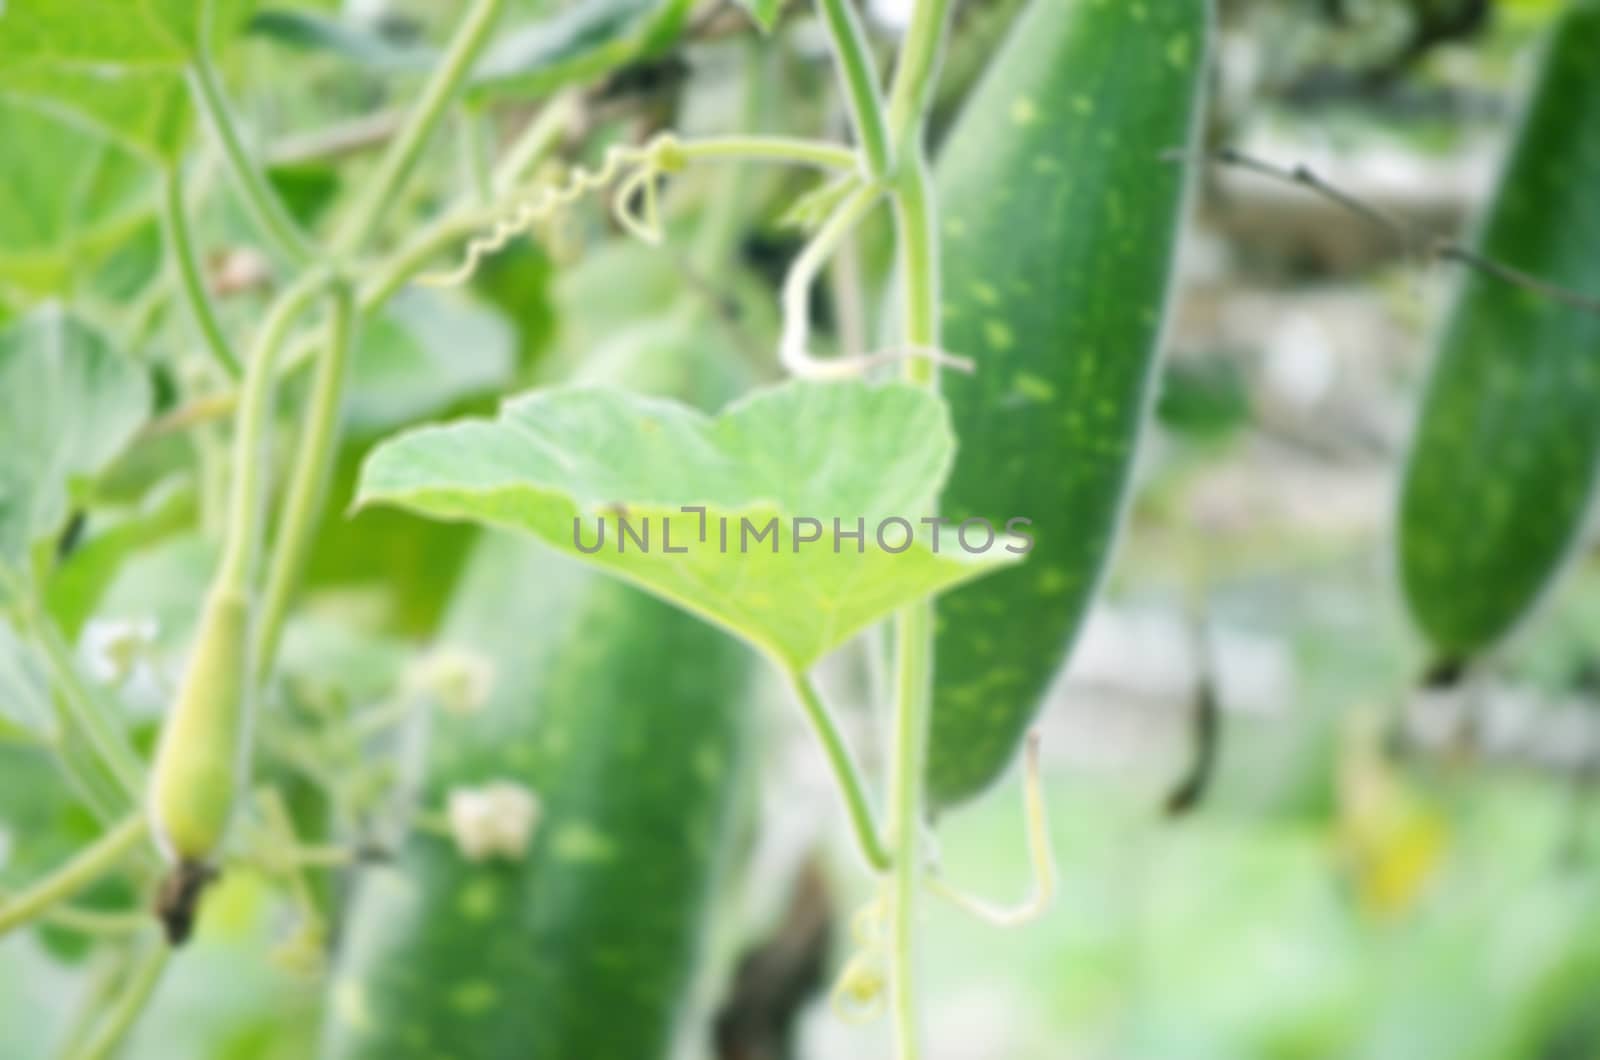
(199, 762)
(496, 820)
(458, 680)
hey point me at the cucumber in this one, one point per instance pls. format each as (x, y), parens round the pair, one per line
(1060, 217)
(624, 716)
(1505, 452)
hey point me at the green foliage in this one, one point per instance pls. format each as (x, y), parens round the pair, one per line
(576, 44)
(555, 458)
(120, 67)
(65, 199)
(1507, 447)
(1060, 220)
(624, 718)
(68, 405)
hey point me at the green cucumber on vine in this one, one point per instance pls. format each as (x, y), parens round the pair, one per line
(1060, 211)
(625, 719)
(1506, 450)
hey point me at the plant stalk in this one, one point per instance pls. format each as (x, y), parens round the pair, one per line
(308, 482)
(266, 209)
(136, 993)
(915, 211)
(180, 241)
(88, 865)
(851, 785)
(860, 81)
(381, 189)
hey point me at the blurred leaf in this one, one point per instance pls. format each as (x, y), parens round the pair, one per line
(78, 583)
(518, 282)
(407, 563)
(358, 44)
(146, 110)
(151, 32)
(765, 12)
(68, 405)
(64, 200)
(119, 65)
(581, 44)
(24, 687)
(801, 450)
(424, 353)
(306, 188)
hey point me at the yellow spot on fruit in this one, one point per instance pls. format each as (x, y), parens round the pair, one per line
(1179, 50)
(478, 899)
(985, 293)
(474, 996)
(998, 335)
(1024, 111)
(580, 842)
(1033, 387)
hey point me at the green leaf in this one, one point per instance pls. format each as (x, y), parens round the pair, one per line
(582, 43)
(68, 405)
(424, 353)
(803, 450)
(358, 44)
(24, 686)
(146, 111)
(78, 584)
(117, 64)
(65, 201)
(765, 12)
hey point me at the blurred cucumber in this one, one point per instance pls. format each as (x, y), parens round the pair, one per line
(1505, 454)
(625, 717)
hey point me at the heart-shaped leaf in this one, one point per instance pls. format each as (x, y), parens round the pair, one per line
(776, 474)
(68, 404)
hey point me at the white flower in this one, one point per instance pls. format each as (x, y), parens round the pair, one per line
(113, 649)
(496, 820)
(457, 679)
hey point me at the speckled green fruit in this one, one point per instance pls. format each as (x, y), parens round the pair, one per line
(1060, 216)
(1505, 454)
(627, 718)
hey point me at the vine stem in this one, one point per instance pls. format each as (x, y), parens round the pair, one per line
(869, 840)
(250, 430)
(308, 482)
(266, 209)
(136, 993)
(180, 241)
(84, 713)
(860, 82)
(400, 158)
(90, 864)
(915, 212)
(791, 149)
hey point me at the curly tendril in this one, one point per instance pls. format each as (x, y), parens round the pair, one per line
(636, 172)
